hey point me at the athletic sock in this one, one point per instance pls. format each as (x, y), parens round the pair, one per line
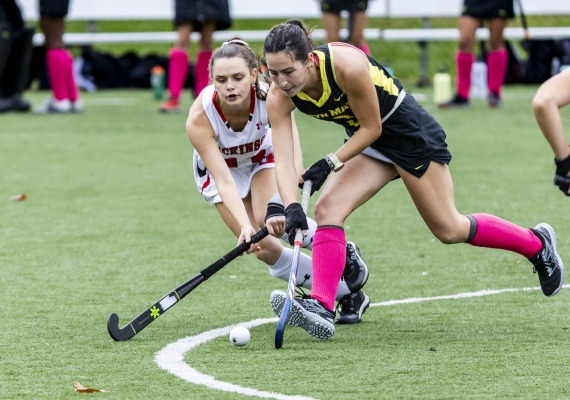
(57, 63)
(497, 67)
(177, 71)
(281, 270)
(72, 91)
(365, 49)
(201, 74)
(464, 62)
(329, 256)
(496, 233)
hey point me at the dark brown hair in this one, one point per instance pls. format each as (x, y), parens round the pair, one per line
(293, 37)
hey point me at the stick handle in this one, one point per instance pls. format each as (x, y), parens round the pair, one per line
(305, 196)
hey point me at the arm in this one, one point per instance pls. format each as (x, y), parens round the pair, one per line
(298, 151)
(351, 68)
(279, 111)
(201, 135)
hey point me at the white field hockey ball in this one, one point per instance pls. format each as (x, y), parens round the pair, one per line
(239, 336)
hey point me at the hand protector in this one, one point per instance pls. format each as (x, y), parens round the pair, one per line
(295, 218)
(274, 210)
(560, 178)
(318, 173)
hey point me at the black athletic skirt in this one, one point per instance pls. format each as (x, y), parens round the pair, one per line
(337, 6)
(411, 138)
(488, 9)
(54, 8)
(197, 12)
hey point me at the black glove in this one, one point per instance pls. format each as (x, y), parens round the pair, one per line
(318, 173)
(560, 178)
(274, 210)
(294, 218)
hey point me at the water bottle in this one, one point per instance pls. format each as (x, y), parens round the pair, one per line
(157, 82)
(441, 86)
(479, 80)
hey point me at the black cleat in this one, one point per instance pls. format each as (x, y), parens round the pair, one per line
(351, 307)
(308, 313)
(355, 270)
(494, 100)
(547, 263)
(456, 102)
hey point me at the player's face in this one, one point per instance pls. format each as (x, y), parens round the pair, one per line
(290, 75)
(233, 79)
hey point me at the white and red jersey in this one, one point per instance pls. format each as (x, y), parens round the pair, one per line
(245, 152)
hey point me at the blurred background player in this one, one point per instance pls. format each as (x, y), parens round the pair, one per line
(474, 12)
(234, 170)
(206, 17)
(59, 61)
(332, 21)
(15, 55)
(550, 97)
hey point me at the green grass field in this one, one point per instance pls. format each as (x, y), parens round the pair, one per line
(113, 222)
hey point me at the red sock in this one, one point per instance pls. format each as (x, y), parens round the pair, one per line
(177, 71)
(202, 74)
(464, 62)
(496, 233)
(57, 63)
(497, 65)
(329, 257)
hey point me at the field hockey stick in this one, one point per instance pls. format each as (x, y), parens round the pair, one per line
(160, 307)
(523, 20)
(298, 243)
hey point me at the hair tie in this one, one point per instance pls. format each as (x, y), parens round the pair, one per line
(235, 41)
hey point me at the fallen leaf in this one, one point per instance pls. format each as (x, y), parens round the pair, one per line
(78, 387)
(18, 197)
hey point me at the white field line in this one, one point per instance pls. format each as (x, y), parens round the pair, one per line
(171, 357)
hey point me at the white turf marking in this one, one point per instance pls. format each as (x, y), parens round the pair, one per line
(171, 357)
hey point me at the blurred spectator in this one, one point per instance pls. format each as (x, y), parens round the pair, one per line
(15, 56)
(59, 61)
(206, 17)
(474, 12)
(331, 10)
(550, 97)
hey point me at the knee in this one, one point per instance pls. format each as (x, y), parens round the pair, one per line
(541, 101)
(449, 237)
(327, 213)
(451, 233)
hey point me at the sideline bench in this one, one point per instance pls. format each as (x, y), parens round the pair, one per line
(98, 10)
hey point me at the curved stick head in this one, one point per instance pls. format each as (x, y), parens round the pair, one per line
(118, 334)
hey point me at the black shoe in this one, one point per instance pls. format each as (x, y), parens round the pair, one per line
(547, 263)
(355, 270)
(494, 100)
(14, 103)
(457, 101)
(351, 307)
(308, 313)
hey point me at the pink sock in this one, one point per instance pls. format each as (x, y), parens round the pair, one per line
(72, 91)
(177, 71)
(57, 63)
(464, 62)
(497, 233)
(329, 256)
(202, 75)
(365, 49)
(497, 66)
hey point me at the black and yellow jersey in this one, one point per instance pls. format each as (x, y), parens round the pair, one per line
(333, 105)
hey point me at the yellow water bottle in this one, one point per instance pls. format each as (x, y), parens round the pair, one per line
(441, 86)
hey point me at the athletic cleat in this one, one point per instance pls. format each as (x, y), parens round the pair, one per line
(171, 105)
(14, 103)
(494, 100)
(456, 102)
(77, 106)
(351, 307)
(547, 263)
(355, 270)
(308, 313)
(53, 106)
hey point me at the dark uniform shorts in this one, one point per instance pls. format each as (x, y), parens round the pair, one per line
(336, 6)
(197, 12)
(411, 138)
(54, 8)
(488, 9)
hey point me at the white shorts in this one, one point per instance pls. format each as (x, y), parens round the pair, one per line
(242, 177)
